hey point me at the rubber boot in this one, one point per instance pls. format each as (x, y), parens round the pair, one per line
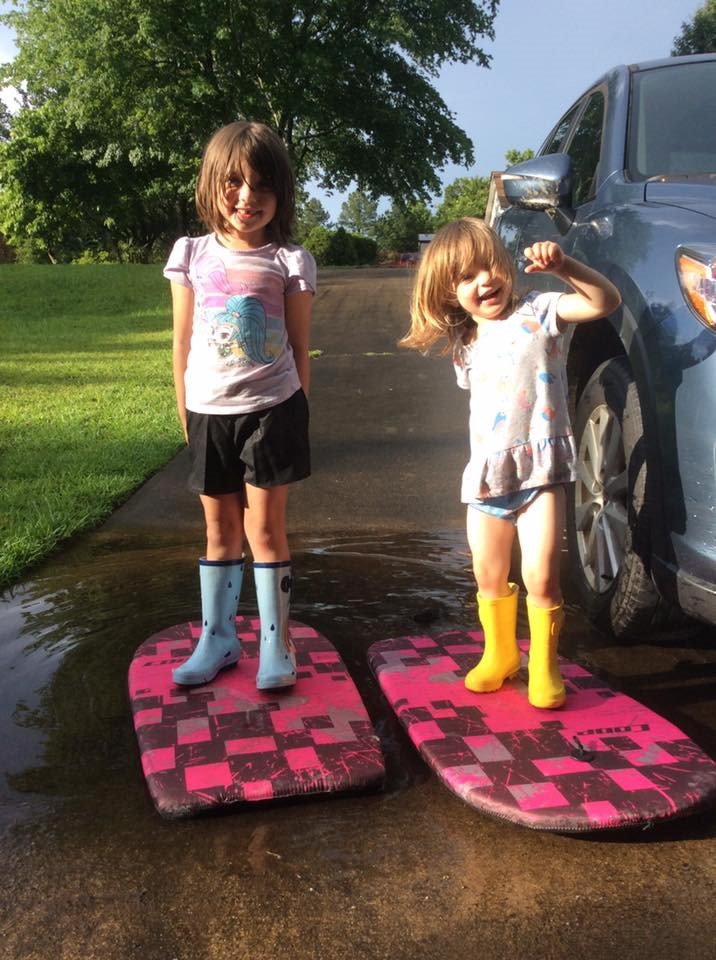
(277, 658)
(501, 658)
(546, 687)
(218, 645)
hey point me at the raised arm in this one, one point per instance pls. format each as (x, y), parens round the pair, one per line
(594, 296)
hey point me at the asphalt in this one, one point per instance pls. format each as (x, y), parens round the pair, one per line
(91, 871)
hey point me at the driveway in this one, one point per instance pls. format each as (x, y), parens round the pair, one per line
(89, 869)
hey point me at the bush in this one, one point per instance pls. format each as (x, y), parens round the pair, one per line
(7, 253)
(339, 248)
(342, 249)
(366, 249)
(318, 243)
(92, 256)
(31, 251)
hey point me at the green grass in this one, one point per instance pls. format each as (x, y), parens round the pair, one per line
(87, 407)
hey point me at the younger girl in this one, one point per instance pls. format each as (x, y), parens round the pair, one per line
(508, 353)
(242, 297)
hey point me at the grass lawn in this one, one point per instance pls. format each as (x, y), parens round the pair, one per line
(86, 399)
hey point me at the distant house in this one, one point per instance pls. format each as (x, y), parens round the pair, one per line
(496, 200)
(423, 240)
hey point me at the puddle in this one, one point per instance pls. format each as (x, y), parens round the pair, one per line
(66, 639)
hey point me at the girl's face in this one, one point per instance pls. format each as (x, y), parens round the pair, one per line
(248, 206)
(484, 294)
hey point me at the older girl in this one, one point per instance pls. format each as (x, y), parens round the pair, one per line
(242, 297)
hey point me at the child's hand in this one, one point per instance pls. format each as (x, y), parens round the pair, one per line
(546, 257)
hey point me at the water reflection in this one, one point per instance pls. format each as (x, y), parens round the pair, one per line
(67, 637)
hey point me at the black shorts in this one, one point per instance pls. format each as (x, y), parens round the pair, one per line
(267, 448)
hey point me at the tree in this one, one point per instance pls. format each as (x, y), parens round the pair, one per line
(518, 156)
(699, 34)
(465, 197)
(318, 242)
(137, 87)
(4, 121)
(310, 213)
(359, 214)
(342, 249)
(398, 229)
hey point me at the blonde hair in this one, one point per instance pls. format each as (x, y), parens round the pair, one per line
(455, 251)
(229, 152)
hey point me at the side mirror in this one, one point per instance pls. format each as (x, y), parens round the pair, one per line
(543, 183)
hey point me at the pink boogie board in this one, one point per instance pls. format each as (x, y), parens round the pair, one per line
(227, 743)
(600, 762)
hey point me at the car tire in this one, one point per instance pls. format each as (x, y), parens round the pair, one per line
(607, 514)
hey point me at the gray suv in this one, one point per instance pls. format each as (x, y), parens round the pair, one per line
(626, 182)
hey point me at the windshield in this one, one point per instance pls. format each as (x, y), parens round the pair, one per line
(673, 121)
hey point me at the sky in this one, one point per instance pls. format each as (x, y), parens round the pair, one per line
(545, 53)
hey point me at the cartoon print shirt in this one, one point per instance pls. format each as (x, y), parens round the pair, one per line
(240, 359)
(520, 433)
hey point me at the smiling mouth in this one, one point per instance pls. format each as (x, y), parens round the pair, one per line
(490, 295)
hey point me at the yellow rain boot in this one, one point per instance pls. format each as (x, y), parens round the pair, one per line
(546, 687)
(501, 658)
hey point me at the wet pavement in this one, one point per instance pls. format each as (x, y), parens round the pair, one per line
(91, 871)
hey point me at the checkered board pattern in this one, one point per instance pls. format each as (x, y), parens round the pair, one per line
(602, 761)
(226, 742)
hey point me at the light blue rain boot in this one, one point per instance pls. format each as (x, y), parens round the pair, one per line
(277, 659)
(218, 645)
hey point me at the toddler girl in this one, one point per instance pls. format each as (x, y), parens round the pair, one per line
(508, 352)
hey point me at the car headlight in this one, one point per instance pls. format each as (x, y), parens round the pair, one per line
(696, 269)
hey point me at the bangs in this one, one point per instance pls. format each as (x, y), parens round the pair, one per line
(247, 154)
(234, 150)
(473, 244)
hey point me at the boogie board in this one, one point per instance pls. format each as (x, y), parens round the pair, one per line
(226, 743)
(602, 761)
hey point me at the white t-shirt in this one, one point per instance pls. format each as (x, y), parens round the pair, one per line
(520, 433)
(240, 359)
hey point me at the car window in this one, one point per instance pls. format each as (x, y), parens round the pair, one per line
(555, 141)
(672, 130)
(585, 146)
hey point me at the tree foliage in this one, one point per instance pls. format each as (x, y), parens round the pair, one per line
(464, 197)
(518, 156)
(119, 97)
(397, 230)
(4, 121)
(340, 248)
(359, 214)
(698, 35)
(310, 213)
(318, 242)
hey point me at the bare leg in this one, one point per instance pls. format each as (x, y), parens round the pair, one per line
(539, 526)
(224, 516)
(265, 523)
(491, 540)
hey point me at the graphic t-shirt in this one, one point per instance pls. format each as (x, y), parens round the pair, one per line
(520, 433)
(240, 359)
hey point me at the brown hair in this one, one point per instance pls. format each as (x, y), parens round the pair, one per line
(230, 150)
(455, 250)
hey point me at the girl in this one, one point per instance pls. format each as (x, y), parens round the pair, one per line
(242, 297)
(508, 353)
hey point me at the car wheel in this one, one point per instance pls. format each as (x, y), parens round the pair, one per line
(607, 516)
